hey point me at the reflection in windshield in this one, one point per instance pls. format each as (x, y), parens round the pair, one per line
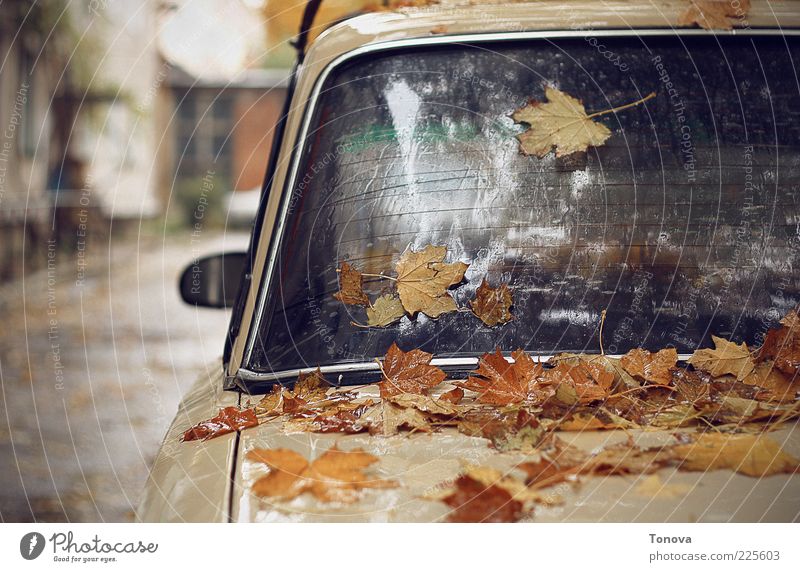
(685, 223)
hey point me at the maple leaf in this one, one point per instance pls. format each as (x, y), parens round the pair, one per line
(775, 383)
(653, 367)
(454, 396)
(586, 379)
(783, 345)
(492, 305)
(423, 279)
(726, 358)
(408, 372)
(386, 310)
(473, 501)
(351, 287)
(309, 391)
(562, 122)
(714, 14)
(499, 382)
(334, 476)
(752, 455)
(507, 430)
(228, 420)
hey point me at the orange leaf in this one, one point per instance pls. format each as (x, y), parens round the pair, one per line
(475, 502)
(653, 367)
(499, 382)
(408, 372)
(351, 287)
(228, 420)
(714, 14)
(492, 305)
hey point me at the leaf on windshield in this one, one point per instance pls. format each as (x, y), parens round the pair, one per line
(228, 420)
(562, 122)
(335, 476)
(498, 382)
(351, 286)
(492, 305)
(655, 367)
(726, 358)
(386, 310)
(408, 372)
(714, 14)
(423, 279)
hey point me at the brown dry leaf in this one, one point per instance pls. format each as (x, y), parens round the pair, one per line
(589, 380)
(752, 455)
(726, 358)
(782, 345)
(351, 287)
(343, 417)
(777, 385)
(454, 396)
(228, 420)
(408, 372)
(559, 462)
(508, 430)
(492, 305)
(310, 391)
(499, 382)
(335, 476)
(474, 501)
(423, 279)
(653, 367)
(386, 310)
(598, 420)
(272, 403)
(714, 14)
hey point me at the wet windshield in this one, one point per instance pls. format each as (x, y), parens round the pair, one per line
(683, 224)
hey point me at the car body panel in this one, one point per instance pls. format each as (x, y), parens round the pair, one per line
(190, 482)
(424, 464)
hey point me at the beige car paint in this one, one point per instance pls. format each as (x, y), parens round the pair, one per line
(192, 481)
(423, 464)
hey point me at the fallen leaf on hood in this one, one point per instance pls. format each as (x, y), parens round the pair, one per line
(310, 391)
(752, 455)
(386, 310)
(562, 122)
(726, 358)
(272, 403)
(507, 430)
(714, 14)
(408, 372)
(423, 279)
(499, 382)
(776, 384)
(454, 396)
(472, 501)
(654, 487)
(351, 287)
(492, 305)
(590, 381)
(652, 367)
(782, 345)
(334, 476)
(228, 420)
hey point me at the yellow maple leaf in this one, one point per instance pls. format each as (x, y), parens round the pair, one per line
(423, 279)
(562, 122)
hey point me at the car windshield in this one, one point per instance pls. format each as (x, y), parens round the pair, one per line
(683, 224)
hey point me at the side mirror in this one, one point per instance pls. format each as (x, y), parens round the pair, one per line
(213, 281)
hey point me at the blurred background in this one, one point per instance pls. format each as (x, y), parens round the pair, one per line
(133, 139)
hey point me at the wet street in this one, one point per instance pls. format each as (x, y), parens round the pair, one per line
(95, 352)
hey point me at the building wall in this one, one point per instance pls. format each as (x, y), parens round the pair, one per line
(256, 114)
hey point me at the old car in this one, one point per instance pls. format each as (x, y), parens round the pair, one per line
(403, 130)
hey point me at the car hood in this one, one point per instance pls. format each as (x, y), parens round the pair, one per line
(424, 464)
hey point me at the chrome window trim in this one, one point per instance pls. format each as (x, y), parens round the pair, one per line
(290, 374)
(243, 372)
